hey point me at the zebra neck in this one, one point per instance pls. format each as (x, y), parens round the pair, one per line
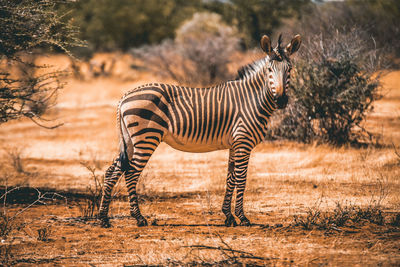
(257, 85)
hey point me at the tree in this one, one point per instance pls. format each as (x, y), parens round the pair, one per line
(27, 25)
(123, 24)
(254, 18)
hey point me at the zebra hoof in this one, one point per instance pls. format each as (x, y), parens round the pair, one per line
(230, 221)
(245, 222)
(142, 222)
(105, 223)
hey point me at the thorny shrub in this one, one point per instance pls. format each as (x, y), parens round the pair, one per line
(333, 88)
(26, 26)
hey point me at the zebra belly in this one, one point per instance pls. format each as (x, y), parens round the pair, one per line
(196, 147)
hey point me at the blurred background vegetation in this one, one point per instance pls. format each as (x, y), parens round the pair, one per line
(123, 24)
(346, 46)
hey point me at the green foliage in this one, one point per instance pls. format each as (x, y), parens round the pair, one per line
(332, 90)
(123, 24)
(254, 18)
(27, 25)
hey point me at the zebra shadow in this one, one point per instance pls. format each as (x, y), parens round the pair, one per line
(163, 223)
(256, 225)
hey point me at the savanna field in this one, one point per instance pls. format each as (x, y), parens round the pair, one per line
(308, 204)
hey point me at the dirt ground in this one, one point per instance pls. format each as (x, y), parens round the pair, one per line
(288, 186)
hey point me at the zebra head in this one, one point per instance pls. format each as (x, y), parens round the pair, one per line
(279, 67)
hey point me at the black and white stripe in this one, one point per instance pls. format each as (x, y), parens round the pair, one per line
(233, 115)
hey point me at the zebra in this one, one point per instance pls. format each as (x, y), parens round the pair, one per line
(233, 115)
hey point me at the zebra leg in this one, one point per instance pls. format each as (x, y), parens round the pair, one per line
(230, 186)
(242, 156)
(140, 158)
(111, 176)
(131, 178)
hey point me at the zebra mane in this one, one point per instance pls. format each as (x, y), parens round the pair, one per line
(279, 48)
(279, 52)
(249, 70)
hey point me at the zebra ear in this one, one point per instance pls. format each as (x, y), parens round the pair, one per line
(294, 45)
(265, 44)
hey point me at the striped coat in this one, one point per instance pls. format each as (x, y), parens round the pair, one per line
(233, 115)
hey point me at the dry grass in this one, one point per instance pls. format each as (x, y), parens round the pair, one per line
(182, 193)
(91, 204)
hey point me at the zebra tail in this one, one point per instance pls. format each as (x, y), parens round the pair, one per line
(123, 154)
(123, 157)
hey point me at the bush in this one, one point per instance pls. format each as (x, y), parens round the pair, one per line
(199, 55)
(332, 90)
(26, 26)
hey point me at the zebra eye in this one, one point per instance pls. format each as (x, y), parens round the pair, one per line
(269, 69)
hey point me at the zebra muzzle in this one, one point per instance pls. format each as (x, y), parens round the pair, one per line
(281, 101)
